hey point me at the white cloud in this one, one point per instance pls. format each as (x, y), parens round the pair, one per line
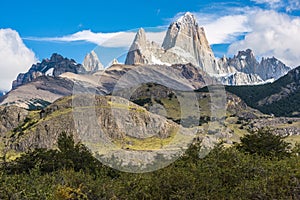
(273, 34)
(15, 57)
(224, 29)
(221, 28)
(117, 39)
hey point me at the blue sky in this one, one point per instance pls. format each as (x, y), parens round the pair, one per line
(33, 29)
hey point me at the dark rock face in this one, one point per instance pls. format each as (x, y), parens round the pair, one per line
(56, 66)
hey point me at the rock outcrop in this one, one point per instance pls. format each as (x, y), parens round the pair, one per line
(11, 117)
(111, 127)
(54, 66)
(92, 62)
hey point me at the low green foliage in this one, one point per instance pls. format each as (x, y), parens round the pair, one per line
(226, 173)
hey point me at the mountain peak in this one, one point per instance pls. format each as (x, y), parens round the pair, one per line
(92, 62)
(186, 35)
(141, 32)
(55, 66)
(187, 18)
(139, 40)
(55, 57)
(247, 54)
(134, 55)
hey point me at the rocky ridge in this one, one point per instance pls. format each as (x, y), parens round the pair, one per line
(11, 117)
(245, 62)
(54, 66)
(47, 89)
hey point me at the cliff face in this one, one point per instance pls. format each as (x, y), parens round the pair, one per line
(185, 34)
(10, 118)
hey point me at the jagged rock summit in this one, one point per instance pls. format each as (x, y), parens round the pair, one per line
(54, 66)
(92, 62)
(139, 44)
(246, 63)
(185, 35)
(185, 42)
(272, 68)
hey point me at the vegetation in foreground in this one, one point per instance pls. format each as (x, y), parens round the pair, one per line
(269, 170)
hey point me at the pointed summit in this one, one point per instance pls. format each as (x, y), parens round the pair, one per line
(185, 42)
(185, 29)
(140, 39)
(141, 34)
(187, 18)
(185, 34)
(115, 61)
(91, 62)
(134, 55)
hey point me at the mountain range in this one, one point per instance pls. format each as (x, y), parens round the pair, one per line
(185, 42)
(166, 85)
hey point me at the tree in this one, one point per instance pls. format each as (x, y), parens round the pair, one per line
(264, 143)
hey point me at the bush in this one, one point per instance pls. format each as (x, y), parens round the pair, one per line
(264, 143)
